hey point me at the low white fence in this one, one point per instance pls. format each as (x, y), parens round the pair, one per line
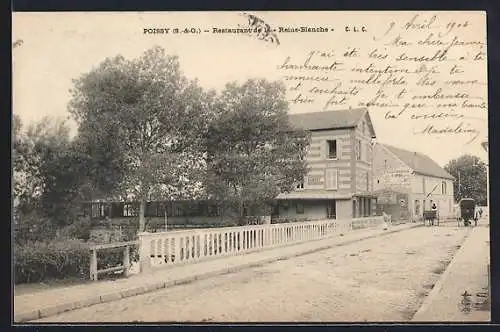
(177, 247)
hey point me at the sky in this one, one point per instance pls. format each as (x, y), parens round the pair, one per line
(59, 47)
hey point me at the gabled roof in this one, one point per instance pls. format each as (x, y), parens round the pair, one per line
(420, 163)
(325, 120)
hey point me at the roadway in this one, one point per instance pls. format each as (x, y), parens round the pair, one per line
(378, 279)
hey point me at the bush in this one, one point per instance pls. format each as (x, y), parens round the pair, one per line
(60, 259)
(32, 226)
(38, 261)
(79, 229)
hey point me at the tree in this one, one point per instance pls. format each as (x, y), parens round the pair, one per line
(46, 178)
(141, 123)
(253, 153)
(470, 178)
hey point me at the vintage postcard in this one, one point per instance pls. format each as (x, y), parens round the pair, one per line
(250, 167)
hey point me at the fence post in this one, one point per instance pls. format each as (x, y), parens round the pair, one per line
(126, 261)
(266, 235)
(144, 252)
(93, 264)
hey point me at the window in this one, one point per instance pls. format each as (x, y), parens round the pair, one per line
(315, 180)
(101, 210)
(331, 210)
(300, 186)
(129, 210)
(443, 187)
(161, 210)
(178, 211)
(331, 178)
(358, 150)
(299, 208)
(98, 210)
(417, 207)
(332, 149)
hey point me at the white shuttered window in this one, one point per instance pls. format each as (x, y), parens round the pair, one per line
(331, 178)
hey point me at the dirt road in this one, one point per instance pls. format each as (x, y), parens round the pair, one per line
(380, 279)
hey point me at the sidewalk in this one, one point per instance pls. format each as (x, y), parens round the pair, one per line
(53, 301)
(467, 273)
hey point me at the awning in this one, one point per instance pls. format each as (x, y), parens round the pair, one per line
(366, 195)
(313, 195)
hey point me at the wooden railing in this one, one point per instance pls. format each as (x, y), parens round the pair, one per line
(176, 247)
(125, 266)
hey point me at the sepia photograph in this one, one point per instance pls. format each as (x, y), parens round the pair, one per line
(250, 167)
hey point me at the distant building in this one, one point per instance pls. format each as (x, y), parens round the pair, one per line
(339, 183)
(415, 179)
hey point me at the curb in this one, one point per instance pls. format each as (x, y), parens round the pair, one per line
(439, 284)
(109, 297)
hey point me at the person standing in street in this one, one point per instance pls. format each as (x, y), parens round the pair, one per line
(434, 209)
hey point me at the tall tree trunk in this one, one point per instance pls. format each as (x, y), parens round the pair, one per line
(142, 219)
(242, 212)
(166, 217)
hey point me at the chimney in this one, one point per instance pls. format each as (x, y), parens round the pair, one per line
(414, 160)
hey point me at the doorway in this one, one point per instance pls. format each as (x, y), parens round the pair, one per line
(331, 209)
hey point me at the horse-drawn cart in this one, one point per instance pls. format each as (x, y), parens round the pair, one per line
(431, 216)
(466, 210)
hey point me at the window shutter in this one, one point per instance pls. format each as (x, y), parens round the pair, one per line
(339, 147)
(364, 151)
(331, 179)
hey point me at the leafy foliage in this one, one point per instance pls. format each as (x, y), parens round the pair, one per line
(37, 261)
(140, 123)
(46, 179)
(253, 153)
(470, 178)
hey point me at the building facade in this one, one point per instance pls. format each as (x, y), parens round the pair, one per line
(339, 182)
(338, 185)
(418, 179)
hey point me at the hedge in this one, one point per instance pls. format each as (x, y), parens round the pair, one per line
(59, 259)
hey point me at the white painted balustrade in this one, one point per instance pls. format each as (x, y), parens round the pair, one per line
(179, 247)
